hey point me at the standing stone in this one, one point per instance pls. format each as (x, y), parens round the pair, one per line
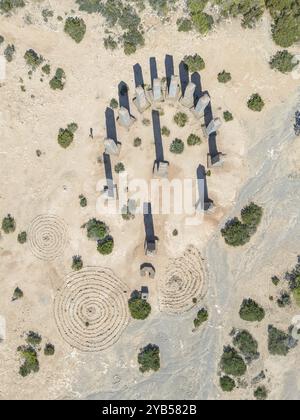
(141, 101)
(174, 89)
(161, 169)
(125, 119)
(157, 95)
(188, 99)
(213, 126)
(112, 147)
(203, 102)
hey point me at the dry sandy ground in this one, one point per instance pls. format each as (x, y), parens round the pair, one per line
(51, 184)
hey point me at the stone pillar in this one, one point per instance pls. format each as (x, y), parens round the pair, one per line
(141, 101)
(157, 91)
(125, 119)
(213, 126)
(174, 89)
(188, 99)
(111, 147)
(201, 106)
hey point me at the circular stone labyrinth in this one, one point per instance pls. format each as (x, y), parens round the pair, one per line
(91, 309)
(183, 282)
(47, 235)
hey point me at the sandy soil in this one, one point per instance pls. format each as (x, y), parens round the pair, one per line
(261, 165)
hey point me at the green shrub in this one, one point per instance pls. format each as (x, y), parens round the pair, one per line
(255, 103)
(89, 6)
(246, 344)
(250, 311)
(194, 63)
(277, 342)
(228, 116)
(49, 349)
(275, 280)
(201, 318)
(7, 6)
(9, 53)
(65, 138)
(106, 246)
(236, 233)
(22, 238)
(203, 22)
(181, 119)
(46, 69)
(232, 363)
(33, 338)
(77, 263)
(177, 147)
(286, 29)
(18, 294)
(165, 131)
(139, 308)
(252, 215)
(227, 384)
(131, 40)
(149, 358)
(284, 300)
(224, 77)
(110, 43)
(96, 230)
(137, 142)
(82, 201)
(58, 81)
(76, 28)
(8, 224)
(46, 13)
(283, 61)
(193, 140)
(114, 103)
(184, 25)
(120, 167)
(33, 59)
(261, 393)
(30, 361)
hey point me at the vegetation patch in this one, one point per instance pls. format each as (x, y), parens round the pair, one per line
(227, 384)
(7, 6)
(202, 317)
(59, 80)
(83, 201)
(228, 116)
(181, 119)
(149, 358)
(76, 28)
(250, 311)
(279, 343)
(193, 140)
(96, 230)
(77, 263)
(33, 59)
(22, 238)
(255, 103)
(49, 349)
(106, 246)
(224, 77)
(177, 147)
(8, 224)
(247, 345)
(194, 63)
(9, 53)
(139, 308)
(283, 61)
(66, 136)
(261, 393)
(232, 363)
(18, 294)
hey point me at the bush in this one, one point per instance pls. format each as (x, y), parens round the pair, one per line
(227, 384)
(7, 6)
(246, 344)
(114, 104)
(286, 29)
(256, 103)
(137, 142)
(139, 308)
(232, 363)
(284, 300)
(9, 53)
(58, 81)
(177, 147)
(184, 25)
(65, 138)
(8, 224)
(193, 140)
(76, 28)
(46, 69)
(131, 40)
(228, 116)
(277, 342)
(106, 246)
(22, 238)
(236, 233)
(31, 363)
(149, 358)
(275, 280)
(203, 22)
(49, 349)
(165, 131)
(250, 311)
(194, 63)
(120, 167)
(261, 393)
(33, 59)
(110, 43)
(252, 215)
(77, 263)
(33, 338)
(202, 317)
(96, 230)
(224, 77)
(89, 6)
(283, 61)
(83, 201)
(18, 294)
(181, 119)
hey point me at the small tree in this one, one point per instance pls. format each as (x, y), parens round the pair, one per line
(261, 393)
(58, 81)
(76, 28)
(33, 338)
(46, 69)
(224, 77)
(149, 358)
(30, 361)
(22, 238)
(203, 22)
(193, 140)
(49, 349)
(228, 116)
(246, 344)
(250, 311)
(33, 59)
(278, 342)
(65, 138)
(77, 263)
(194, 63)
(96, 230)
(283, 61)
(184, 25)
(177, 147)
(8, 224)
(181, 119)
(255, 103)
(120, 167)
(202, 317)
(165, 131)
(235, 233)
(139, 308)
(252, 215)
(227, 384)
(106, 246)
(232, 363)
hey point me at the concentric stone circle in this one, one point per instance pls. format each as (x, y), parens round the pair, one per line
(47, 236)
(91, 309)
(183, 282)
